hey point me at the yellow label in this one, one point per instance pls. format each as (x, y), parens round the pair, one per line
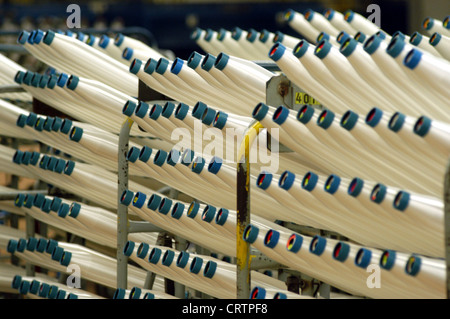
(305, 98)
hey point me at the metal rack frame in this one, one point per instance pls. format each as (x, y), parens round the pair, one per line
(126, 226)
(280, 91)
(244, 263)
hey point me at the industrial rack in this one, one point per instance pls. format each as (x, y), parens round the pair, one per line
(280, 91)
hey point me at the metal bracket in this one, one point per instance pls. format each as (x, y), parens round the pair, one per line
(261, 261)
(282, 91)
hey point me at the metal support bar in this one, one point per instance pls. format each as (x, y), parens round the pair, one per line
(180, 245)
(324, 290)
(142, 227)
(447, 224)
(243, 211)
(30, 232)
(11, 88)
(14, 219)
(122, 210)
(13, 195)
(149, 280)
(165, 190)
(174, 193)
(12, 48)
(164, 239)
(124, 225)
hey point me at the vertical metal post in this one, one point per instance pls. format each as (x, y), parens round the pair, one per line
(243, 212)
(169, 284)
(122, 210)
(14, 219)
(243, 219)
(149, 280)
(180, 289)
(324, 290)
(293, 284)
(42, 228)
(30, 232)
(447, 224)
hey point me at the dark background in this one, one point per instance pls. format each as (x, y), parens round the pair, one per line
(171, 22)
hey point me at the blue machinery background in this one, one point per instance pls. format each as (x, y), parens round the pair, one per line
(167, 22)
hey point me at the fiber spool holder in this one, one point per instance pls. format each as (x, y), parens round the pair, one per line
(279, 91)
(126, 226)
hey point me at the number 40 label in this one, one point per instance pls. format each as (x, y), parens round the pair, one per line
(305, 98)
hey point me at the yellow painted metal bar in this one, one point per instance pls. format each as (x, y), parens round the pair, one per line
(243, 211)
